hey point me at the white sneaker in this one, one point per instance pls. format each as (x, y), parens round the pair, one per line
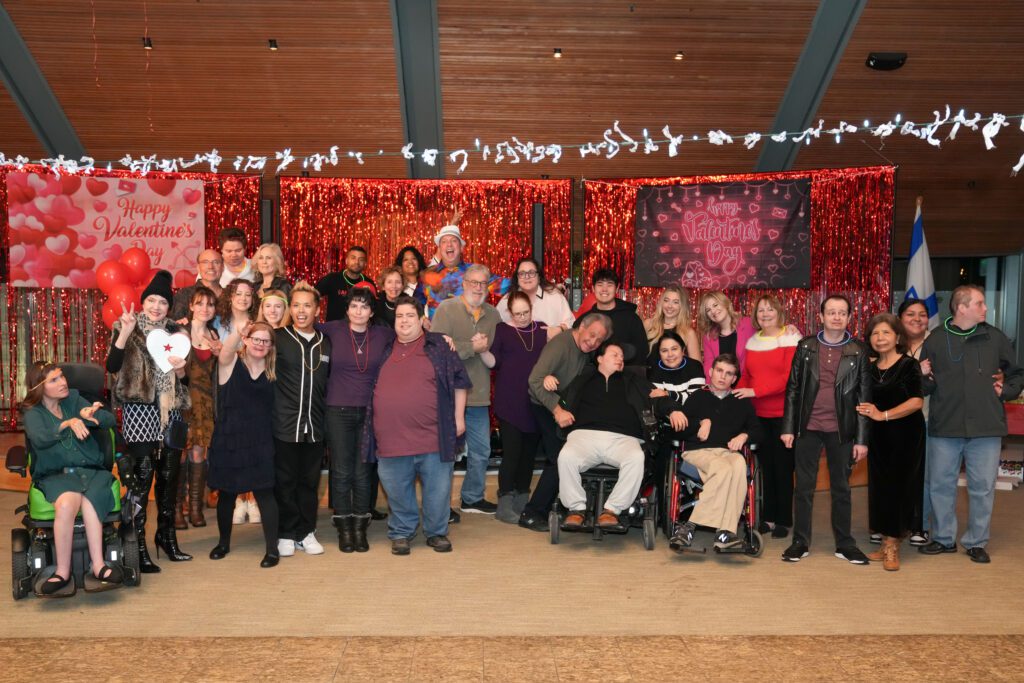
(238, 516)
(310, 545)
(253, 511)
(285, 547)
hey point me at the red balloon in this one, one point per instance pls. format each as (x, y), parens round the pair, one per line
(124, 294)
(111, 312)
(137, 262)
(184, 278)
(110, 274)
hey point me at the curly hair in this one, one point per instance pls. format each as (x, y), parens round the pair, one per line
(224, 303)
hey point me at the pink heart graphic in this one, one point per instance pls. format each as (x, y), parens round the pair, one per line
(677, 262)
(87, 241)
(663, 249)
(17, 254)
(59, 244)
(778, 252)
(674, 237)
(62, 281)
(83, 279)
(753, 208)
(660, 268)
(788, 261)
(741, 279)
(773, 235)
(656, 233)
(641, 233)
(95, 187)
(751, 270)
(99, 206)
(191, 196)
(802, 236)
(754, 250)
(772, 267)
(662, 217)
(112, 253)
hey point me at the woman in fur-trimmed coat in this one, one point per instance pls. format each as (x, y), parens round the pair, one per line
(150, 400)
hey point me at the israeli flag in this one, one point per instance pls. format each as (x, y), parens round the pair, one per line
(920, 284)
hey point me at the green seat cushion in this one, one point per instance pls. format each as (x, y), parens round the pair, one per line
(41, 510)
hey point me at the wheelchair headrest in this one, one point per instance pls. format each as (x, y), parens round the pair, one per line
(88, 378)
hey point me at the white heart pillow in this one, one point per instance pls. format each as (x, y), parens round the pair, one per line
(162, 346)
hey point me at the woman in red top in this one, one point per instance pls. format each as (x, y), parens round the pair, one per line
(769, 355)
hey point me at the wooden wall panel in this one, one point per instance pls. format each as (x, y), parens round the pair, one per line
(16, 136)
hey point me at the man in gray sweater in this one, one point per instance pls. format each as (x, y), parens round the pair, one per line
(969, 370)
(562, 359)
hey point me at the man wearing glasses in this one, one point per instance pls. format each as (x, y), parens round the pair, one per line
(470, 321)
(211, 267)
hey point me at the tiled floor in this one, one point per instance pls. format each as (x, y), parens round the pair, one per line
(659, 658)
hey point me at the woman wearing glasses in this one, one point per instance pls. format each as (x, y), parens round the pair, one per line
(548, 305)
(242, 448)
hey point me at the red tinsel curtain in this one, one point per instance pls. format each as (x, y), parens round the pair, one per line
(65, 325)
(322, 217)
(851, 240)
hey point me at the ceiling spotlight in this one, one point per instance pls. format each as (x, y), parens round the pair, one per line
(680, 56)
(886, 61)
(147, 43)
(272, 44)
(557, 53)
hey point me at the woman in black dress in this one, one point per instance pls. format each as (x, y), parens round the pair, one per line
(896, 446)
(242, 449)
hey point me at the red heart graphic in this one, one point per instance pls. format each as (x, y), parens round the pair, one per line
(677, 262)
(184, 278)
(84, 263)
(70, 183)
(95, 187)
(174, 245)
(662, 217)
(87, 241)
(112, 253)
(54, 223)
(99, 206)
(753, 208)
(773, 235)
(191, 196)
(162, 186)
(778, 252)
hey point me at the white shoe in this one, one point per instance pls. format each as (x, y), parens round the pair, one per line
(253, 511)
(238, 516)
(310, 545)
(285, 547)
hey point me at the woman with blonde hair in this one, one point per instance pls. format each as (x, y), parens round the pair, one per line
(274, 309)
(270, 270)
(722, 330)
(672, 313)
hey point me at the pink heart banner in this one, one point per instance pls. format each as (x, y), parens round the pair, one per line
(63, 228)
(724, 235)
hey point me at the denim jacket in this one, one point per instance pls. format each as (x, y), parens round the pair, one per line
(450, 374)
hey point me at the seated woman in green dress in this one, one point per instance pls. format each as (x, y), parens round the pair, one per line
(68, 468)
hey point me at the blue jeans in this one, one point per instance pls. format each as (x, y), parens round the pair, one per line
(981, 456)
(398, 476)
(478, 452)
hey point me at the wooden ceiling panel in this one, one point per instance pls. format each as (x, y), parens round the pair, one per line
(211, 80)
(499, 79)
(958, 54)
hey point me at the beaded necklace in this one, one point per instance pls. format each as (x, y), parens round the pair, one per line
(846, 339)
(533, 329)
(679, 367)
(66, 438)
(949, 344)
(358, 349)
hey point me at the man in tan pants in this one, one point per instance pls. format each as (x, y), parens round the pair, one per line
(720, 425)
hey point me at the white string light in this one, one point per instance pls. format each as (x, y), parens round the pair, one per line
(513, 151)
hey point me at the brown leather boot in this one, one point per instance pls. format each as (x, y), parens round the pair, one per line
(891, 554)
(879, 554)
(196, 488)
(181, 503)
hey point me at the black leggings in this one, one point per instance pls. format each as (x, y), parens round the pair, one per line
(268, 512)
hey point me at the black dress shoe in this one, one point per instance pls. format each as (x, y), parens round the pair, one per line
(219, 551)
(377, 515)
(533, 523)
(936, 548)
(453, 516)
(979, 555)
(269, 560)
(780, 531)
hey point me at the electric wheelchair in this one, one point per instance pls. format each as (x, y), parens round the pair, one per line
(32, 548)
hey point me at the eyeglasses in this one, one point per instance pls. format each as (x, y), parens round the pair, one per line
(527, 273)
(259, 341)
(521, 314)
(210, 262)
(475, 283)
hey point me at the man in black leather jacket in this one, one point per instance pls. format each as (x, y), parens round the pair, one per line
(828, 378)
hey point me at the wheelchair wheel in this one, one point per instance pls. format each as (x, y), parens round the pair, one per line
(20, 572)
(554, 527)
(650, 530)
(130, 557)
(756, 545)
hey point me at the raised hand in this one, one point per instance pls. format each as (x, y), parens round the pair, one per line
(88, 412)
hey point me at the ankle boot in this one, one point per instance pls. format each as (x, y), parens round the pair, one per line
(891, 554)
(181, 503)
(346, 533)
(196, 488)
(360, 524)
(166, 488)
(879, 554)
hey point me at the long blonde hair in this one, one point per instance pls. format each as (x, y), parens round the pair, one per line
(286, 320)
(655, 325)
(704, 323)
(271, 367)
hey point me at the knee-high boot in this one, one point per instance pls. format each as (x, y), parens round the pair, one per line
(196, 491)
(144, 480)
(166, 539)
(181, 501)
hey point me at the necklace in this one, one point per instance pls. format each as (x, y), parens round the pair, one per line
(350, 283)
(681, 366)
(358, 348)
(67, 437)
(407, 348)
(533, 329)
(302, 354)
(882, 373)
(388, 306)
(761, 335)
(949, 328)
(846, 339)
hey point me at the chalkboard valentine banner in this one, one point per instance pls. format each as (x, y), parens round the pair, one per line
(724, 235)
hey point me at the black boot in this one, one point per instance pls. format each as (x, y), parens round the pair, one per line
(166, 498)
(346, 533)
(146, 564)
(143, 479)
(361, 523)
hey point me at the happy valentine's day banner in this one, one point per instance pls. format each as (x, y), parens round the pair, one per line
(61, 228)
(724, 235)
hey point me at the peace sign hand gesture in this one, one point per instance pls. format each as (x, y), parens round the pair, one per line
(127, 321)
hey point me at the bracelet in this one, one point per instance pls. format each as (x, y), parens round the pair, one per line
(887, 416)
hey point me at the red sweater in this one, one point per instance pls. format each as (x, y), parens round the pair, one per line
(767, 371)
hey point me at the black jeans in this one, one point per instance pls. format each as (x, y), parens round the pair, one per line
(518, 450)
(807, 456)
(297, 478)
(777, 465)
(547, 486)
(268, 513)
(350, 476)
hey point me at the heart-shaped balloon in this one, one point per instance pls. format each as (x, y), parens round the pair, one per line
(162, 346)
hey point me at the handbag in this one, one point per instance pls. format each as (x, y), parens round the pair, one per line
(176, 435)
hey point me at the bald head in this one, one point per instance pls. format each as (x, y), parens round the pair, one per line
(211, 267)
